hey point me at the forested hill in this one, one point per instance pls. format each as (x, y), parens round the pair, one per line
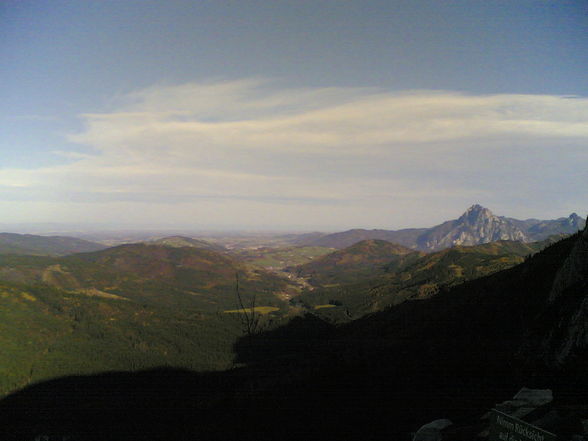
(183, 241)
(362, 260)
(361, 279)
(185, 277)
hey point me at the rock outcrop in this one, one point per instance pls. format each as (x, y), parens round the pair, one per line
(526, 401)
(432, 431)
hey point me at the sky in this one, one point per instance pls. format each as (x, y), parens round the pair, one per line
(291, 114)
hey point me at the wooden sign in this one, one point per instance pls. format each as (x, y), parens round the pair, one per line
(503, 427)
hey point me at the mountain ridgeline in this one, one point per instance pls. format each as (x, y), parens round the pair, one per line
(11, 243)
(183, 241)
(476, 226)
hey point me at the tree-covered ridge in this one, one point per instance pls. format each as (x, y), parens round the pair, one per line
(186, 277)
(183, 241)
(365, 259)
(125, 308)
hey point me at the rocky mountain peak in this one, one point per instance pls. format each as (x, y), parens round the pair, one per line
(477, 208)
(476, 226)
(574, 220)
(475, 214)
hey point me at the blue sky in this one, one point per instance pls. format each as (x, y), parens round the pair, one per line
(291, 114)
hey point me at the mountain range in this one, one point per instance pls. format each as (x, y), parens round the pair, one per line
(475, 226)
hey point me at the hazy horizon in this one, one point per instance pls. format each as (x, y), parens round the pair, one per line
(111, 230)
(291, 115)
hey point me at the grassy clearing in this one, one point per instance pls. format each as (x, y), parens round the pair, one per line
(325, 306)
(279, 258)
(260, 309)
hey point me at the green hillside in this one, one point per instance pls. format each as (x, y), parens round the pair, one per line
(186, 277)
(126, 308)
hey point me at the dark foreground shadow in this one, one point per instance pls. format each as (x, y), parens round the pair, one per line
(347, 403)
(306, 381)
(157, 404)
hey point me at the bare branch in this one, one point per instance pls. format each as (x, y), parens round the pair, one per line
(249, 317)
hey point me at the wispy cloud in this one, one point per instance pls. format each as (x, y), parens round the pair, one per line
(250, 140)
(244, 115)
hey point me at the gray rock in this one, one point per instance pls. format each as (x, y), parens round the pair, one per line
(432, 431)
(549, 421)
(534, 397)
(526, 401)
